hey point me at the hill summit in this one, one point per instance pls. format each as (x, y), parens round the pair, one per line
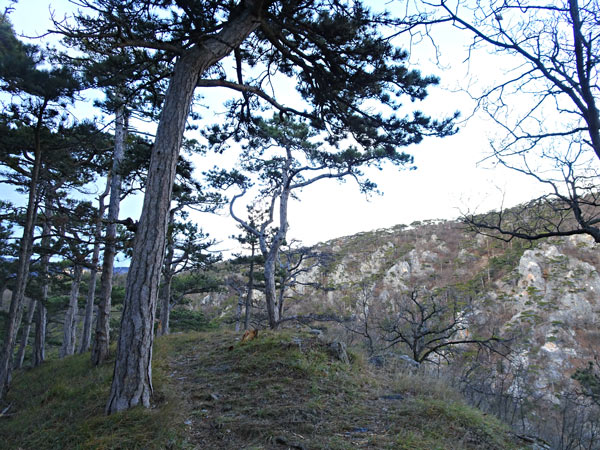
(282, 390)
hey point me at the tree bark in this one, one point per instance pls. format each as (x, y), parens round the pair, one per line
(250, 288)
(132, 380)
(25, 334)
(167, 279)
(41, 320)
(86, 334)
(70, 325)
(25, 250)
(102, 338)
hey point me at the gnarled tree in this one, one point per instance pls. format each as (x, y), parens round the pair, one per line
(284, 156)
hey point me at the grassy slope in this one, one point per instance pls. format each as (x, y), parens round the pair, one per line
(283, 390)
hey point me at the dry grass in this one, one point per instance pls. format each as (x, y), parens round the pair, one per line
(283, 390)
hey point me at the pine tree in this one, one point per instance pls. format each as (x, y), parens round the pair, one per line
(23, 129)
(281, 157)
(332, 49)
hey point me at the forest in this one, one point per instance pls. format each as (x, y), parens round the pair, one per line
(116, 103)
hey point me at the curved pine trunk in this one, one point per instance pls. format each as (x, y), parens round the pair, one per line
(132, 380)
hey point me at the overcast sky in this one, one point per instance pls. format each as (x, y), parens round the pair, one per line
(449, 176)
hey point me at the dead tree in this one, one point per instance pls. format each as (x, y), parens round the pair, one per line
(431, 325)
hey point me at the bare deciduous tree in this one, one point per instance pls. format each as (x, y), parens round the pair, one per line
(431, 324)
(544, 103)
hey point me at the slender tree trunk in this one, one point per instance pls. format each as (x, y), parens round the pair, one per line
(70, 325)
(132, 380)
(281, 298)
(25, 250)
(165, 305)
(86, 335)
(250, 288)
(164, 294)
(273, 253)
(238, 312)
(102, 339)
(270, 288)
(25, 334)
(41, 321)
(39, 345)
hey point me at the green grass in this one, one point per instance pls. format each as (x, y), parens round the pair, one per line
(281, 390)
(61, 406)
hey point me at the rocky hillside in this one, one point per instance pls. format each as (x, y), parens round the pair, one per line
(541, 298)
(546, 295)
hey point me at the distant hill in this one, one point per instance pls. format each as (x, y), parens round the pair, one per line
(123, 269)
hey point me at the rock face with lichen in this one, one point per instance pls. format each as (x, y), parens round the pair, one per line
(557, 308)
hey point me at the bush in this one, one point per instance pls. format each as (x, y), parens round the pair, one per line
(186, 320)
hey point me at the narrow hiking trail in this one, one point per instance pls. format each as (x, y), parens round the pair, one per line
(281, 391)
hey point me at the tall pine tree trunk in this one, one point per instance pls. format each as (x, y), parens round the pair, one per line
(132, 380)
(25, 334)
(86, 334)
(41, 319)
(70, 325)
(102, 338)
(250, 289)
(25, 250)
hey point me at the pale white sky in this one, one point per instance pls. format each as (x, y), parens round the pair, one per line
(448, 179)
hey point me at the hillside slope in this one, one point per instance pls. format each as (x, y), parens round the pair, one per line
(283, 390)
(541, 298)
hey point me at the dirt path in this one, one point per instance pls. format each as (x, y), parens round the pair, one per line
(262, 395)
(287, 391)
